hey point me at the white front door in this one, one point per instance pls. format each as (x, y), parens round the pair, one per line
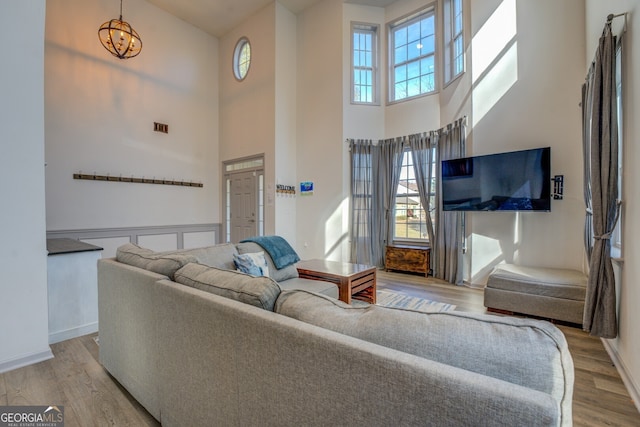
(243, 200)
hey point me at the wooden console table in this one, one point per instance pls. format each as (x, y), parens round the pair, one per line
(355, 281)
(414, 259)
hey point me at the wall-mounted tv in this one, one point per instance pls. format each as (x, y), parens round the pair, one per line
(512, 181)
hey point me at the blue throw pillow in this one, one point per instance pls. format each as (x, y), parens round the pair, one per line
(252, 263)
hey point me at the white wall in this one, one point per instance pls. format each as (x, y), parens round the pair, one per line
(247, 108)
(23, 253)
(626, 347)
(286, 118)
(99, 115)
(525, 93)
(321, 220)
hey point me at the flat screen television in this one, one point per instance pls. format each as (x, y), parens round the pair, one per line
(512, 181)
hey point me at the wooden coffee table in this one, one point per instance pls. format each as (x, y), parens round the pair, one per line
(355, 281)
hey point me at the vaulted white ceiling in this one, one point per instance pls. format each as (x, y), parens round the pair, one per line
(217, 17)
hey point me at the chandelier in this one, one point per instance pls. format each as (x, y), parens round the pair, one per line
(119, 38)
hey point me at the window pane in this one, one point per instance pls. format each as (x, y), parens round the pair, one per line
(413, 33)
(414, 50)
(427, 26)
(400, 55)
(400, 73)
(413, 87)
(369, 94)
(428, 45)
(427, 66)
(427, 83)
(413, 70)
(457, 13)
(458, 49)
(400, 90)
(400, 37)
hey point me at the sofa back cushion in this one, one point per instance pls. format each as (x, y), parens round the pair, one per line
(280, 275)
(259, 291)
(165, 263)
(219, 256)
(522, 351)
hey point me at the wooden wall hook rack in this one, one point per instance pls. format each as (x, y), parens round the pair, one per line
(143, 180)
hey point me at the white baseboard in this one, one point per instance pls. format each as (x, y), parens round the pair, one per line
(471, 285)
(27, 360)
(632, 388)
(79, 331)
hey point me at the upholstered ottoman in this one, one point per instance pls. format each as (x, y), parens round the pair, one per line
(552, 293)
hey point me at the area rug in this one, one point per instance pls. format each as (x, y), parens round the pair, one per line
(398, 300)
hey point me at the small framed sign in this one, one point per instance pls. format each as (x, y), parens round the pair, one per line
(306, 188)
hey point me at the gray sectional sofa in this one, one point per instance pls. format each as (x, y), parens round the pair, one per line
(199, 344)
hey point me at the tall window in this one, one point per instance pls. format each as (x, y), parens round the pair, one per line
(616, 238)
(364, 63)
(410, 217)
(453, 40)
(412, 56)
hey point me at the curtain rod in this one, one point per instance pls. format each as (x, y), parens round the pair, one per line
(611, 16)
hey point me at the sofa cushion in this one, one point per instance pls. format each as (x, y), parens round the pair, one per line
(527, 352)
(316, 286)
(166, 263)
(280, 275)
(549, 282)
(259, 291)
(252, 263)
(219, 256)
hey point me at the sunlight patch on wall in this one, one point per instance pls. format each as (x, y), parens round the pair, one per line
(517, 225)
(493, 37)
(492, 87)
(494, 59)
(487, 253)
(336, 231)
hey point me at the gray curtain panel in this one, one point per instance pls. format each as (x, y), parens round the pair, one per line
(375, 172)
(388, 171)
(601, 150)
(587, 107)
(423, 149)
(362, 230)
(449, 234)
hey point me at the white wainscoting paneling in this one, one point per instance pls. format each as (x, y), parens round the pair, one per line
(198, 239)
(159, 242)
(108, 244)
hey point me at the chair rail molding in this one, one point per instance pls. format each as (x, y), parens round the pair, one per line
(136, 234)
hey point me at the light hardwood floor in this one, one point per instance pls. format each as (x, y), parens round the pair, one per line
(75, 379)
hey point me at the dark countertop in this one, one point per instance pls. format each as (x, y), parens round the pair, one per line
(69, 246)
